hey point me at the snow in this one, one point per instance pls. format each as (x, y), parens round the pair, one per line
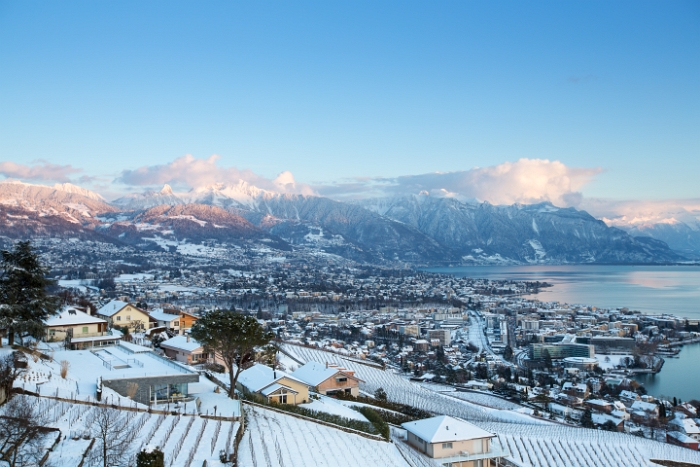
(314, 373)
(444, 429)
(276, 439)
(334, 407)
(69, 316)
(182, 343)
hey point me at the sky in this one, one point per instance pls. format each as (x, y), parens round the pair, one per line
(569, 102)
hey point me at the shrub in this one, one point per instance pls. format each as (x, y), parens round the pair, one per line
(65, 366)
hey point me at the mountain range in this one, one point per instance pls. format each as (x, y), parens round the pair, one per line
(418, 229)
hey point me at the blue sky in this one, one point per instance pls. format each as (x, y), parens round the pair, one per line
(341, 92)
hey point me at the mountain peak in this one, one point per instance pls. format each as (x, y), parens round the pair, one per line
(166, 190)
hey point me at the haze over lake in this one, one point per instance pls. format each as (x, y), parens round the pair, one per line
(650, 289)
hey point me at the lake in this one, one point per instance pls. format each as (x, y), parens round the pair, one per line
(650, 289)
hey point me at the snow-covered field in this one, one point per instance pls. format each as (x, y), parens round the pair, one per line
(185, 440)
(273, 439)
(531, 442)
(400, 389)
(556, 446)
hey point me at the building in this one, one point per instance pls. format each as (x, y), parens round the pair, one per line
(561, 350)
(184, 349)
(328, 379)
(582, 363)
(276, 386)
(79, 330)
(453, 442)
(443, 335)
(119, 313)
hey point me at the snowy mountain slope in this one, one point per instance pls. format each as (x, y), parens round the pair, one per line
(519, 233)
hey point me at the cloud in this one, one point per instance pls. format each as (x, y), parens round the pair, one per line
(644, 212)
(41, 171)
(192, 172)
(523, 181)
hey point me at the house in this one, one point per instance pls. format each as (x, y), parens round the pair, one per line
(576, 389)
(687, 426)
(184, 349)
(174, 320)
(78, 329)
(644, 411)
(329, 379)
(453, 441)
(681, 439)
(119, 313)
(275, 385)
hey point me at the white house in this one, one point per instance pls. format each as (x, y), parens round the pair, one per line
(80, 330)
(453, 442)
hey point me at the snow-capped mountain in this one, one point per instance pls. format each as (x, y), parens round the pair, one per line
(241, 194)
(679, 228)
(420, 229)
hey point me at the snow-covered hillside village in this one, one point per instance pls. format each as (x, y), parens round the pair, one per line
(91, 380)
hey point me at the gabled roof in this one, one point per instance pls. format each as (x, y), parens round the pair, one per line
(259, 377)
(112, 308)
(181, 343)
(445, 429)
(276, 387)
(314, 373)
(69, 316)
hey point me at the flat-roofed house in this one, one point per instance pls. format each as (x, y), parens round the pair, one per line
(329, 379)
(453, 441)
(120, 313)
(80, 330)
(275, 385)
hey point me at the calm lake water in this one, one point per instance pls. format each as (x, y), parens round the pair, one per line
(650, 289)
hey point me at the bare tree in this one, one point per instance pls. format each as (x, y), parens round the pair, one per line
(113, 433)
(22, 433)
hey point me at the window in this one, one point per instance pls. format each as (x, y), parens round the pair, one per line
(341, 380)
(85, 329)
(128, 317)
(119, 318)
(446, 445)
(176, 323)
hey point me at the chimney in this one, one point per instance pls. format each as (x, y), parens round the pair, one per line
(326, 364)
(274, 374)
(188, 337)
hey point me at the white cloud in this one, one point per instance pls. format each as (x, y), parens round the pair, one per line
(523, 181)
(192, 172)
(43, 171)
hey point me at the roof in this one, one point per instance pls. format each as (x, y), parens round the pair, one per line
(259, 377)
(69, 316)
(314, 373)
(444, 429)
(181, 343)
(160, 315)
(274, 387)
(112, 308)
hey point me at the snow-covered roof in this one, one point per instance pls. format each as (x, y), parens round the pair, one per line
(111, 308)
(160, 315)
(644, 406)
(259, 377)
(444, 429)
(69, 316)
(314, 373)
(274, 387)
(181, 343)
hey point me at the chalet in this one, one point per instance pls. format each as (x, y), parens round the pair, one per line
(275, 385)
(173, 320)
(119, 313)
(329, 379)
(78, 329)
(453, 441)
(687, 426)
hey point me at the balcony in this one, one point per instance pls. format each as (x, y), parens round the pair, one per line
(497, 450)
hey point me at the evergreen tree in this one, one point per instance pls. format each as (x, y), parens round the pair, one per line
(153, 458)
(508, 352)
(587, 419)
(24, 299)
